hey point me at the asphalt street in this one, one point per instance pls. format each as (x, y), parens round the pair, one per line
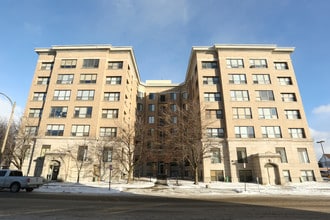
(26, 206)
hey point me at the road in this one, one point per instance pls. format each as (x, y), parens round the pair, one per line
(46, 206)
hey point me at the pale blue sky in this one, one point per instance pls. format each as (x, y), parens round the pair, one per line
(162, 33)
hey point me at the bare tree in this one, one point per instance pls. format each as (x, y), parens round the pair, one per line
(13, 152)
(78, 153)
(168, 132)
(129, 147)
(192, 131)
(21, 147)
(103, 156)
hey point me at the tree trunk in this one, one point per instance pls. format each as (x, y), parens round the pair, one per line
(129, 176)
(196, 175)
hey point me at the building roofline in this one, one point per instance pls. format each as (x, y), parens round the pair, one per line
(159, 83)
(245, 46)
(272, 47)
(55, 48)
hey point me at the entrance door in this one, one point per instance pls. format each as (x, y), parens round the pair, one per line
(272, 174)
(161, 168)
(55, 168)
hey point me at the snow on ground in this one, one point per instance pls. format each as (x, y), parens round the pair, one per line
(183, 188)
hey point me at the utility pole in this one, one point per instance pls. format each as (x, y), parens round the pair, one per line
(13, 104)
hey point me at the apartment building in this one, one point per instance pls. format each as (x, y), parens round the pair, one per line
(248, 101)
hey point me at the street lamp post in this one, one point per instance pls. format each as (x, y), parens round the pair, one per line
(325, 161)
(13, 104)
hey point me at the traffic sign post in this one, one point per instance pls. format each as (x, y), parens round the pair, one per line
(110, 168)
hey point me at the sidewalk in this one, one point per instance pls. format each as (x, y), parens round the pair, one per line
(187, 188)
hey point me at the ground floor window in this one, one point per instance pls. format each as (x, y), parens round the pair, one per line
(217, 175)
(307, 175)
(286, 174)
(245, 176)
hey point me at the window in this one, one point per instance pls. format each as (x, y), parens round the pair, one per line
(287, 176)
(151, 107)
(281, 151)
(217, 175)
(80, 130)
(209, 65)
(115, 65)
(211, 97)
(44, 150)
(281, 65)
(258, 63)
(234, 63)
(107, 154)
(110, 113)
(140, 107)
(242, 113)
(297, 133)
(82, 153)
(173, 96)
(261, 79)
(210, 80)
(39, 96)
(61, 95)
(215, 155)
(161, 121)
(185, 95)
(307, 175)
(31, 130)
(151, 132)
(83, 112)
(151, 119)
(162, 98)
(267, 113)
(112, 96)
(239, 95)
(284, 81)
(87, 78)
(47, 65)
(237, 79)
(64, 79)
(174, 119)
(173, 107)
(245, 176)
(108, 132)
(68, 63)
(264, 95)
(140, 95)
(271, 132)
(58, 112)
(43, 81)
(85, 95)
(215, 132)
(35, 113)
(288, 97)
(91, 63)
(113, 80)
(241, 155)
(244, 132)
(292, 114)
(303, 155)
(214, 113)
(55, 130)
(152, 96)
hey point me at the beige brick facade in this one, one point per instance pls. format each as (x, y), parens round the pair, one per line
(248, 94)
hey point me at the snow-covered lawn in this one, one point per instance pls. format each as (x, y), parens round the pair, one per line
(188, 189)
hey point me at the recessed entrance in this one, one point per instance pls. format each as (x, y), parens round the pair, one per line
(272, 174)
(54, 168)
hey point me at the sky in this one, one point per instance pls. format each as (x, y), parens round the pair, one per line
(162, 33)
